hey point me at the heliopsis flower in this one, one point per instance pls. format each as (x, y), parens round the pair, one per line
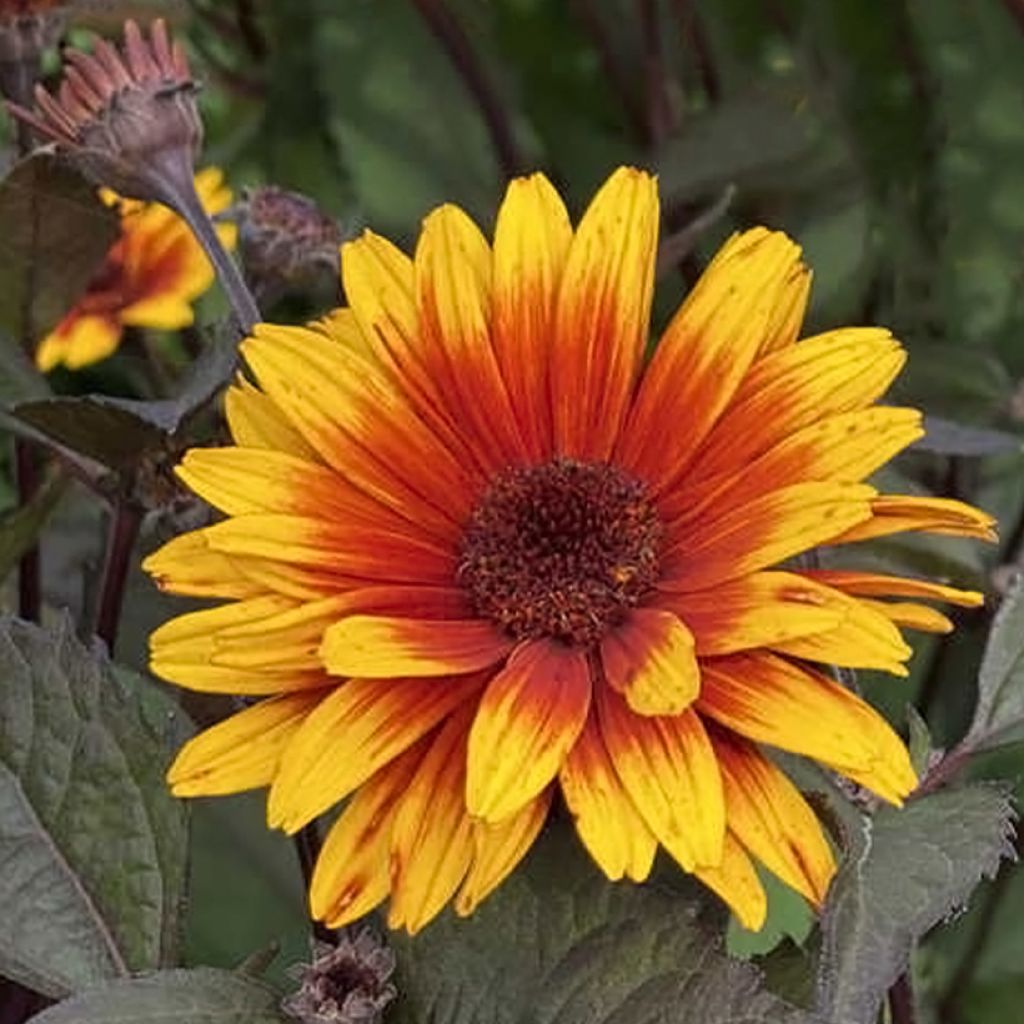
(150, 278)
(478, 552)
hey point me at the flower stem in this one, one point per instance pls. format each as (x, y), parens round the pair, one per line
(307, 847)
(124, 528)
(901, 1001)
(29, 590)
(185, 201)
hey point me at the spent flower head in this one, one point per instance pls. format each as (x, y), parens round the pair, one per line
(28, 27)
(345, 984)
(126, 118)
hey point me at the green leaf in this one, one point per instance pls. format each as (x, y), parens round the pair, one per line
(55, 233)
(19, 527)
(739, 141)
(906, 871)
(199, 996)
(559, 944)
(97, 427)
(999, 713)
(92, 843)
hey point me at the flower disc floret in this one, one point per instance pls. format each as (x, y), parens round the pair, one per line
(561, 550)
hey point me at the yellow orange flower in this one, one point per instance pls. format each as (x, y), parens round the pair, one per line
(150, 278)
(477, 551)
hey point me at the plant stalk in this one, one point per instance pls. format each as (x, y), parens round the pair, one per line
(125, 519)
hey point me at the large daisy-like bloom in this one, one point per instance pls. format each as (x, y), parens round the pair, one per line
(152, 275)
(479, 551)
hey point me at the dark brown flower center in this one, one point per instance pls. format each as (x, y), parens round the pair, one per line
(560, 550)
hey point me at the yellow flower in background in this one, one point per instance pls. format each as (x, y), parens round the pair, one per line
(150, 278)
(476, 552)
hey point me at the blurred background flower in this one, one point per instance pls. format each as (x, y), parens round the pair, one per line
(151, 277)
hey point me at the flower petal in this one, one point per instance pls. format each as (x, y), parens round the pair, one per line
(453, 291)
(529, 717)
(432, 837)
(771, 700)
(359, 420)
(243, 751)
(346, 551)
(240, 480)
(735, 880)
(732, 541)
(770, 817)
(796, 386)
(753, 286)
(607, 821)
(897, 513)
(755, 610)
(649, 658)
(845, 448)
(668, 768)
(602, 315)
(352, 874)
(879, 585)
(531, 242)
(864, 639)
(353, 733)
(910, 615)
(498, 848)
(256, 422)
(382, 646)
(187, 565)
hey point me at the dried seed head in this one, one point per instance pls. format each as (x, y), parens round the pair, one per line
(345, 984)
(126, 118)
(286, 240)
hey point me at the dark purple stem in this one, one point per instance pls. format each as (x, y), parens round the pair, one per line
(450, 35)
(901, 1001)
(124, 528)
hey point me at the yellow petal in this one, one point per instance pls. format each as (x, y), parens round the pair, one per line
(256, 422)
(735, 880)
(602, 316)
(770, 700)
(372, 721)
(607, 821)
(772, 820)
(497, 849)
(531, 241)
(382, 646)
(649, 658)
(668, 768)
(352, 873)
(791, 388)
(756, 610)
(243, 751)
(432, 837)
(529, 717)
(745, 301)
